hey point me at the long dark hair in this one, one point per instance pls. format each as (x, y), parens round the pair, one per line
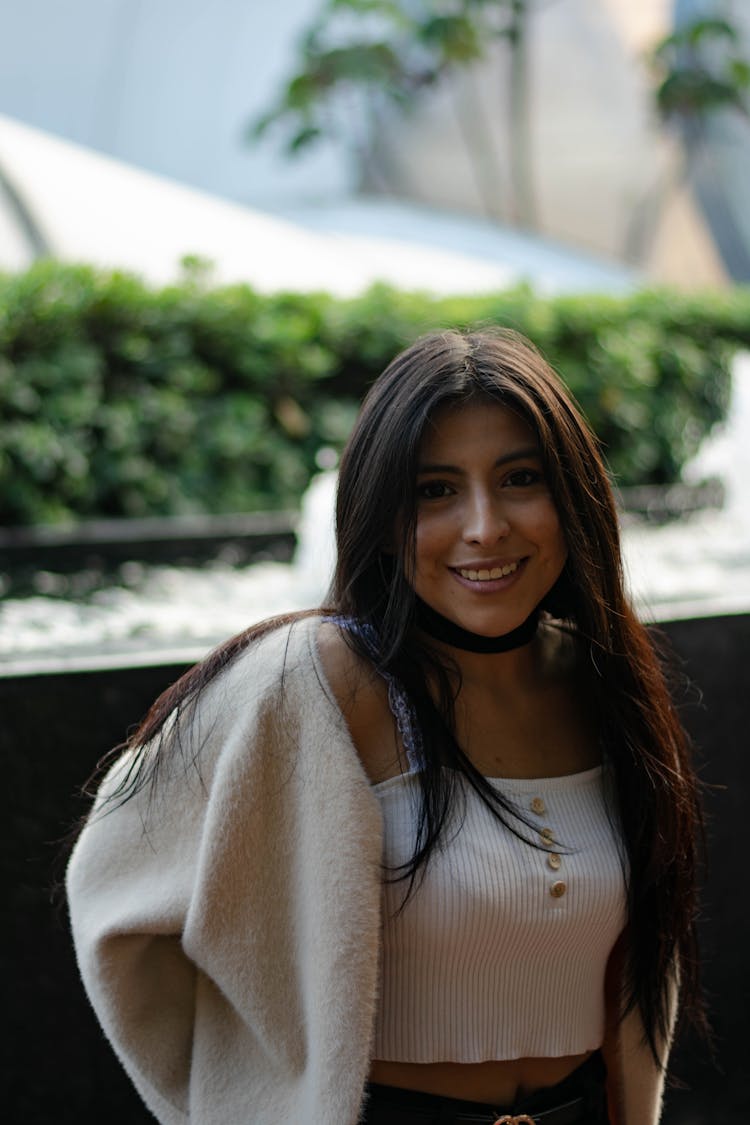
(657, 800)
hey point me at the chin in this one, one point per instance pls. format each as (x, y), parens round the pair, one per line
(485, 625)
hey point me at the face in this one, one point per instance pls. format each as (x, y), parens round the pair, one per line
(489, 544)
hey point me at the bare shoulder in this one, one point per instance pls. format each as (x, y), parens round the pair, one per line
(349, 675)
(363, 698)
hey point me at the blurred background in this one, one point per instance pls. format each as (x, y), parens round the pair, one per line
(556, 116)
(217, 225)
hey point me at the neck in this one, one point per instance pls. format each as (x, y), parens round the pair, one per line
(446, 631)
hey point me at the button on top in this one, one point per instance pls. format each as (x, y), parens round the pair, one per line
(558, 889)
(538, 806)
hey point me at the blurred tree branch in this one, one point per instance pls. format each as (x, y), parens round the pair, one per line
(700, 70)
(373, 55)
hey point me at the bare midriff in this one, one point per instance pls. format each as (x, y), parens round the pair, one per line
(501, 1082)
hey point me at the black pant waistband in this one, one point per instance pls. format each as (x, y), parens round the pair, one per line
(579, 1099)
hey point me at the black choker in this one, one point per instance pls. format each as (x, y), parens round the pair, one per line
(439, 627)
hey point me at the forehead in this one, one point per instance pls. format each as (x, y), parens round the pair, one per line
(463, 428)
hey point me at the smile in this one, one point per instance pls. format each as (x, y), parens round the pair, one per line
(489, 575)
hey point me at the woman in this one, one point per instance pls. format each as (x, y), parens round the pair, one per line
(427, 855)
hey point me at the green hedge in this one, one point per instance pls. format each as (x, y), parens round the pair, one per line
(117, 400)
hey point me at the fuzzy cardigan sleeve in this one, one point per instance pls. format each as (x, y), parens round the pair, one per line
(226, 924)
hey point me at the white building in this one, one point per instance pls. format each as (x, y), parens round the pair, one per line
(170, 85)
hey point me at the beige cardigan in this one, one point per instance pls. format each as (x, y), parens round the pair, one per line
(227, 926)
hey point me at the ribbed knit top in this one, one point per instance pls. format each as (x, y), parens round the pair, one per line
(500, 952)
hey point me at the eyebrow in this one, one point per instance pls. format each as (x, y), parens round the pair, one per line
(528, 451)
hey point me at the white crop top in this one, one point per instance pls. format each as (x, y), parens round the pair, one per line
(501, 950)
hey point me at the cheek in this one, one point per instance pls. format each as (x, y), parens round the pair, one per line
(559, 548)
(424, 545)
(561, 555)
(427, 534)
(423, 548)
(549, 533)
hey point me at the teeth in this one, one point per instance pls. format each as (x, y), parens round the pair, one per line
(488, 575)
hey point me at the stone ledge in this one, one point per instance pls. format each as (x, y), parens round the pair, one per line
(248, 537)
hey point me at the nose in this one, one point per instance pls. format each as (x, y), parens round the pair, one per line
(486, 522)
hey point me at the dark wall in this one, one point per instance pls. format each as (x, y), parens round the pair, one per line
(716, 710)
(54, 728)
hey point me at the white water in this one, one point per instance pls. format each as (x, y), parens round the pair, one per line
(701, 564)
(170, 612)
(696, 567)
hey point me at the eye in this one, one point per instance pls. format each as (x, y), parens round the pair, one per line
(523, 478)
(433, 490)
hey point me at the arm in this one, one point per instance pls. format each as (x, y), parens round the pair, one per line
(128, 891)
(226, 932)
(635, 1083)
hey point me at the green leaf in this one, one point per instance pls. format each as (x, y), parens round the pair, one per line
(693, 93)
(303, 138)
(457, 37)
(739, 72)
(700, 30)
